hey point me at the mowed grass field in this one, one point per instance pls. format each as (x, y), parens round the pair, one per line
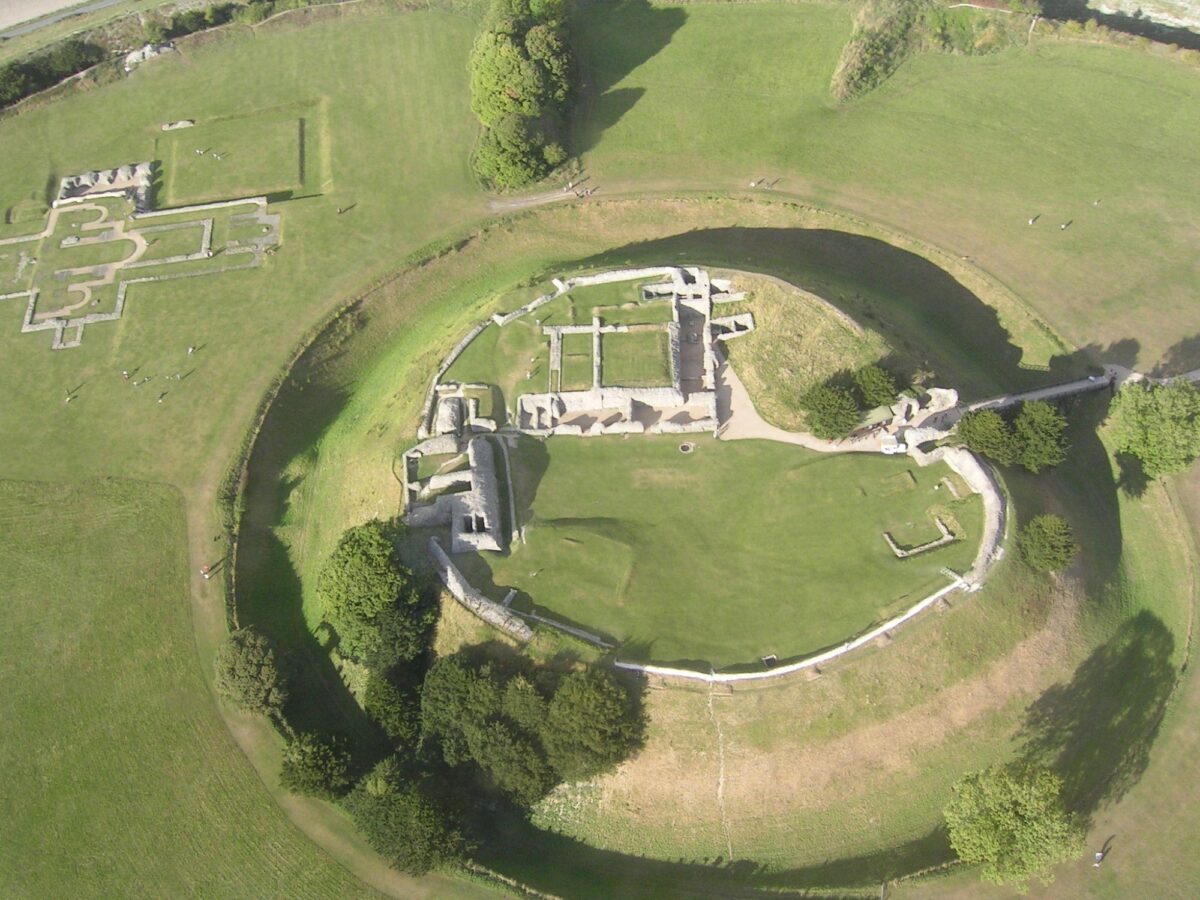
(733, 552)
(119, 779)
(961, 151)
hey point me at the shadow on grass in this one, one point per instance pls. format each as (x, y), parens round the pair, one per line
(932, 321)
(1097, 729)
(1182, 357)
(520, 851)
(611, 39)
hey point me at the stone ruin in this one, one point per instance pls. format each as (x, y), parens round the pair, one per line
(131, 181)
(464, 494)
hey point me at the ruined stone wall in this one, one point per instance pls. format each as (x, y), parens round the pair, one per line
(489, 610)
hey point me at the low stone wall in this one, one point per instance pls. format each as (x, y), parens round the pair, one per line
(981, 480)
(431, 396)
(488, 610)
(792, 668)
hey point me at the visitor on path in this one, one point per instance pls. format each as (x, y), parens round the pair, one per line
(206, 572)
(1099, 859)
(1035, 218)
(1065, 225)
(125, 374)
(160, 396)
(191, 350)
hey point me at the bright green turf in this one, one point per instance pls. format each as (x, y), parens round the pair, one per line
(244, 156)
(121, 780)
(636, 359)
(733, 552)
(960, 150)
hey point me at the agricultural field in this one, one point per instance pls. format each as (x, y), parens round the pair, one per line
(357, 124)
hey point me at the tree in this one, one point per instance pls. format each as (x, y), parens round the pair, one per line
(524, 704)
(513, 761)
(154, 30)
(876, 385)
(369, 598)
(504, 80)
(403, 823)
(1159, 424)
(396, 711)
(315, 765)
(457, 700)
(546, 47)
(16, 82)
(1011, 820)
(986, 433)
(510, 154)
(831, 411)
(248, 675)
(1047, 543)
(1039, 432)
(591, 724)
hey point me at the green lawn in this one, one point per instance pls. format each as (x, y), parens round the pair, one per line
(737, 551)
(636, 359)
(244, 156)
(122, 780)
(961, 151)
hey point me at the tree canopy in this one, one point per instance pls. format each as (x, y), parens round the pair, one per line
(402, 822)
(315, 765)
(591, 725)
(371, 601)
(525, 742)
(248, 674)
(1011, 821)
(831, 412)
(876, 385)
(1047, 543)
(1036, 438)
(1159, 424)
(522, 76)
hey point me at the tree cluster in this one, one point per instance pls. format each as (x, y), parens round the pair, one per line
(1011, 820)
(528, 734)
(1047, 543)
(833, 410)
(20, 79)
(372, 602)
(1035, 438)
(521, 83)
(1159, 424)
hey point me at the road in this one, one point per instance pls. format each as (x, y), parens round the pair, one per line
(16, 15)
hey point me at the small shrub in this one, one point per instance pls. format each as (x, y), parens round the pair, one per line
(315, 766)
(248, 675)
(831, 412)
(1047, 543)
(876, 385)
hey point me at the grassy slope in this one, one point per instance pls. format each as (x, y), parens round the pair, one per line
(732, 553)
(959, 150)
(132, 784)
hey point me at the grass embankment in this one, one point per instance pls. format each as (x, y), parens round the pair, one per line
(733, 552)
(798, 340)
(883, 735)
(760, 108)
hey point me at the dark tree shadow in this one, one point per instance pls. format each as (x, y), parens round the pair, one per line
(612, 38)
(1097, 729)
(1133, 479)
(1183, 357)
(519, 850)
